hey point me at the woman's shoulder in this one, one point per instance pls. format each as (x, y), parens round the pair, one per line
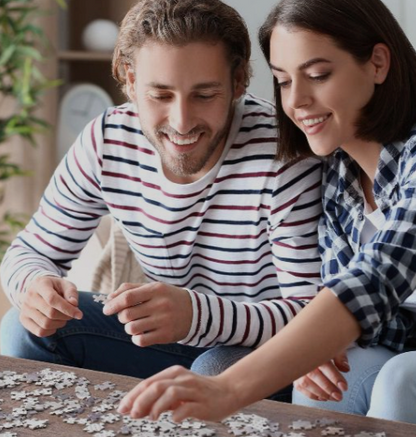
(410, 142)
(406, 149)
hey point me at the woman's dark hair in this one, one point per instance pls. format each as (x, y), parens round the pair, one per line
(355, 26)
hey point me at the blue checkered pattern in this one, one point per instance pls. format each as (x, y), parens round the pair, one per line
(373, 279)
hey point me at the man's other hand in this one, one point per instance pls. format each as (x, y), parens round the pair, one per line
(48, 304)
(154, 313)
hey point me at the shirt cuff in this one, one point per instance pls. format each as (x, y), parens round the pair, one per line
(196, 318)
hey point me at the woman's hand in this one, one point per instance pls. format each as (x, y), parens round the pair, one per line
(184, 393)
(326, 382)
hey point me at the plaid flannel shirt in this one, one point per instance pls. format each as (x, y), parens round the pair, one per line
(372, 279)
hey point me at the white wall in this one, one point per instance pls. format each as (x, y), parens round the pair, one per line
(405, 12)
(255, 13)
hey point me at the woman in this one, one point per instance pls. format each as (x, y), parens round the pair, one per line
(345, 85)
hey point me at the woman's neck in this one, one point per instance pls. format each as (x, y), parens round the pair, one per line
(366, 155)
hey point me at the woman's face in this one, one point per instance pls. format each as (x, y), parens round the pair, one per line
(323, 88)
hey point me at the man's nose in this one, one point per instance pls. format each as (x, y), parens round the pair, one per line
(181, 116)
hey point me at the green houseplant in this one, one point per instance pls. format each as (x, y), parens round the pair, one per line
(22, 43)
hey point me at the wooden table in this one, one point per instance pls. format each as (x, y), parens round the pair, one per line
(284, 414)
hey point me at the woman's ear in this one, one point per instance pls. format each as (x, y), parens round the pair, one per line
(381, 61)
(130, 82)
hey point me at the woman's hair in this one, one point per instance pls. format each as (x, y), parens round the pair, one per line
(355, 26)
(180, 22)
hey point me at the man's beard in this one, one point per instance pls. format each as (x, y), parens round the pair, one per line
(185, 164)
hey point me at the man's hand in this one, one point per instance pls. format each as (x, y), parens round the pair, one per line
(48, 304)
(184, 393)
(326, 382)
(154, 313)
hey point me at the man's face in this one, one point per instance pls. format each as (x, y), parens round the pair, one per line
(185, 98)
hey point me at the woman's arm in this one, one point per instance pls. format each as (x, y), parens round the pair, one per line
(322, 330)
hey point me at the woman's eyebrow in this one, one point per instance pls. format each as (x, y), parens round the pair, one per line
(303, 66)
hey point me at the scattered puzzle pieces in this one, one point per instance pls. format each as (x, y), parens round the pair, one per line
(325, 422)
(333, 430)
(302, 424)
(104, 386)
(92, 407)
(252, 425)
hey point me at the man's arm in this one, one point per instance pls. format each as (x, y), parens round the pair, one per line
(68, 214)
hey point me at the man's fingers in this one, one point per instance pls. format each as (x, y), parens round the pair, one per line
(34, 328)
(124, 287)
(59, 303)
(138, 327)
(44, 322)
(70, 294)
(122, 301)
(149, 338)
(52, 314)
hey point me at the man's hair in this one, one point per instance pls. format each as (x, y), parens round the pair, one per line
(180, 22)
(355, 26)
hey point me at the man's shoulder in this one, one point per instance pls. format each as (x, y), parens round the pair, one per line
(123, 117)
(126, 111)
(257, 107)
(123, 121)
(257, 119)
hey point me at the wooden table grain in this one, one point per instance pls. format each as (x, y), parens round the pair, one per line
(282, 413)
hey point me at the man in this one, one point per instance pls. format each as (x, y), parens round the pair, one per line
(225, 234)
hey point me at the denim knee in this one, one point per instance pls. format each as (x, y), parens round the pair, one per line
(12, 334)
(16, 341)
(397, 375)
(214, 361)
(394, 393)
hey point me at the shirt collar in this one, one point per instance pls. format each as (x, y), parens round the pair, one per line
(387, 174)
(386, 177)
(349, 188)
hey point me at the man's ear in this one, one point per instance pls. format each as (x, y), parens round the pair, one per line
(239, 82)
(130, 82)
(381, 60)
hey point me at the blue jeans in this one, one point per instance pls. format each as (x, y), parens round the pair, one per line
(394, 392)
(96, 342)
(99, 342)
(380, 384)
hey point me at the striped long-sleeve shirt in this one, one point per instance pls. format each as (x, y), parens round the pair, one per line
(242, 239)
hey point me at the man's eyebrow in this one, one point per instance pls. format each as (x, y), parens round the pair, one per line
(159, 86)
(305, 65)
(208, 85)
(200, 86)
